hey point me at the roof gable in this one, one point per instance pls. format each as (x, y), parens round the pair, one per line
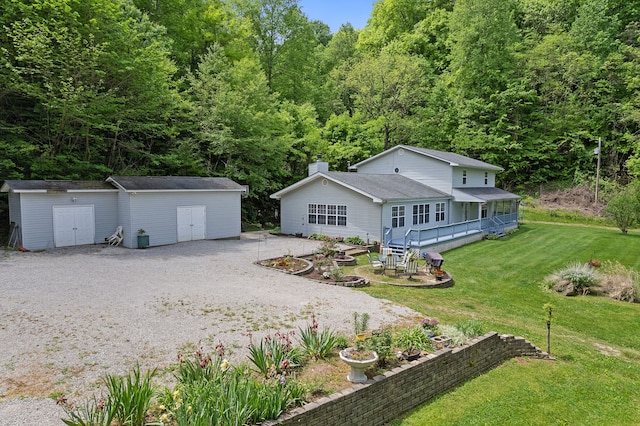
(454, 160)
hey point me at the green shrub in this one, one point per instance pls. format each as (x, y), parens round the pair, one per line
(470, 328)
(274, 355)
(97, 412)
(127, 402)
(236, 400)
(319, 237)
(381, 342)
(411, 338)
(623, 210)
(317, 344)
(130, 396)
(458, 337)
(354, 241)
(575, 278)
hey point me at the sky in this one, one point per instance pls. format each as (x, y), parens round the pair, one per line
(337, 12)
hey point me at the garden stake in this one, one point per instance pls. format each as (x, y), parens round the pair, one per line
(549, 308)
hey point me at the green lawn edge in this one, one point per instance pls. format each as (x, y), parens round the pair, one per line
(595, 340)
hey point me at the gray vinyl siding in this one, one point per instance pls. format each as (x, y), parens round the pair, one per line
(15, 213)
(37, 216)
(364, 218)
(156, 213)
(129, 235)
(434, 173)
(475, 178)
(399, 232)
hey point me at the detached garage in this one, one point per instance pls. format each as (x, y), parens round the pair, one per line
(55, 213)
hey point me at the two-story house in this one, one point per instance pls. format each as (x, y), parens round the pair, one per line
(405, 197)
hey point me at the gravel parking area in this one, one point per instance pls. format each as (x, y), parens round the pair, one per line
(68, 316)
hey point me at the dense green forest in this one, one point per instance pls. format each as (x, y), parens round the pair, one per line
(254, 89)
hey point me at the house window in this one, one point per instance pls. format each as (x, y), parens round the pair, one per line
(486, 178)
(440, 212)
(483, 213)
(397, 216)
(420, 214)
(464, 177)
(327, 214)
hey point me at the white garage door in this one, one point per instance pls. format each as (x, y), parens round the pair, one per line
(191, 223)
(73, 225)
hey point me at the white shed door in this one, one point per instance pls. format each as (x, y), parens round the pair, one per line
(73, 225)
(191, 223)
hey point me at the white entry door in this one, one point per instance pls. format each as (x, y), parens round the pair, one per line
(73, 225)
(191, 223)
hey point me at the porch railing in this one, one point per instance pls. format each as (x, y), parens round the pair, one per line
(446, 232)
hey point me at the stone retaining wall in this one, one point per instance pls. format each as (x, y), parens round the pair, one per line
(387, 397)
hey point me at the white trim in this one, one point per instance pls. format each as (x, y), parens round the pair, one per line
(278, 195)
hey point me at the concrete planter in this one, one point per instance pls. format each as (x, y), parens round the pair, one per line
(357, 366)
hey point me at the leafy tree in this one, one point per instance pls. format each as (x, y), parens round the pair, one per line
(242, 133)
(387, 87)
(624, 210)
(389, 20)
(482, 34)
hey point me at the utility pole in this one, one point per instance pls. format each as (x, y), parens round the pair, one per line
(597, 151)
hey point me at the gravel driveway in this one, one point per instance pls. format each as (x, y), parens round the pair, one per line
(68, 316)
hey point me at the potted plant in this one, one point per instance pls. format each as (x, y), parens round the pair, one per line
(358, 357)
(143, 239)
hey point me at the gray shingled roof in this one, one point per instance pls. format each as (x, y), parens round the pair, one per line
(55, 185)
(387, 187)
(451, 157)
(160, 183)
(489, 193)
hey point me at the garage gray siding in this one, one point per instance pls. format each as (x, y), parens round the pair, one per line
(363, 216)
(129, 236)
(37, 216)
(15, 214)
(156, 213)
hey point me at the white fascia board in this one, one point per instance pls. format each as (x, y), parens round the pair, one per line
(278, 195)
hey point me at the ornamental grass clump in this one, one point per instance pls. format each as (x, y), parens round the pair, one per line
(315, 343)
(619, 283)
(575, 278)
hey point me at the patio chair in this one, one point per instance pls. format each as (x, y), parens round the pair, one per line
(375, 264)
(389, 262)
(116, 238)
(408, 264)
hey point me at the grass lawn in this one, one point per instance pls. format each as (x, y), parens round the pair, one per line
(596, 377)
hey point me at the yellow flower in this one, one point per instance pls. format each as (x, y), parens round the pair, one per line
(176, 393)
(224, 365)
(360, 337)
(189, 409)
(164, 418)
(162, 407)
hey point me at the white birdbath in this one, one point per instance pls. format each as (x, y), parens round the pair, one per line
(358, 366)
